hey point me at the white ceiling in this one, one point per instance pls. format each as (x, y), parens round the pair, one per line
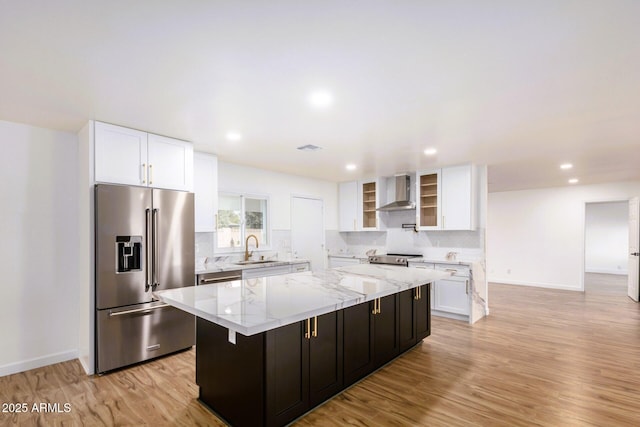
(519, 85)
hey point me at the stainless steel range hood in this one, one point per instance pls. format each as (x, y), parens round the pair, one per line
(403, 192)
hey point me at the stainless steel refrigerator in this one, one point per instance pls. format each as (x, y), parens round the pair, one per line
(144, 242)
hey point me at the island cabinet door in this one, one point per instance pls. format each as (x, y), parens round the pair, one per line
(358, 342)
(423, 312)
(414, 315)
(386, 344)
(303, 366)
(287, 373)
(325, 357)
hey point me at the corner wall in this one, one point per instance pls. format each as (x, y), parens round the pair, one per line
(38, 247)
(536, 237)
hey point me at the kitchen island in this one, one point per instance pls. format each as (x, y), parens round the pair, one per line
(270, 349)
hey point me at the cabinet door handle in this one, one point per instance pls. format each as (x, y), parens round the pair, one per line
(307, 332)
(442, 221)
(466, 286)
(416, 295)
(144, 173)
(314, 333)
(150, 174)
(376, 306)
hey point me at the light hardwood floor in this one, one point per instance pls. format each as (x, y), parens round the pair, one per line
(544, 357)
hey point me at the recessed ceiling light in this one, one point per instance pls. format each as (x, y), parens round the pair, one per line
(234, 136)
(566, 166)
(573, 181)
(321, 99)
(430, 151)
(351, 167)
(309, 147)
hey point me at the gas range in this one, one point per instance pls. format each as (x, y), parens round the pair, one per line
(392, 259)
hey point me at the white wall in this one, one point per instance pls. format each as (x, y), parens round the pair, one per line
(536, 237)
(279, 187)
(38, 247)
(607, 237)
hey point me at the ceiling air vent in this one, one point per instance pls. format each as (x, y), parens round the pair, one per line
(309, 147)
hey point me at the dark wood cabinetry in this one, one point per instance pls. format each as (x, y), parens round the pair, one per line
(370, 337)
(303, 366)
(271, 378)
(414, 316)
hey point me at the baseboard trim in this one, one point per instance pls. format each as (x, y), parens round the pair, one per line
(536, 284)
(605, 271)
(37, 362)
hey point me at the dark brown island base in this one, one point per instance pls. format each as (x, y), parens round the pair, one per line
(273, 377)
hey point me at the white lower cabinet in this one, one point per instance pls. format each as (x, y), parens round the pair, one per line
(451, 296)
(341, 261)
(251, 273)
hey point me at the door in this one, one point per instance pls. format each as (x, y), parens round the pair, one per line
(307, 230)
(173, 250)
(451, 295)
(634, 247)
(122, 241)
(357, 342)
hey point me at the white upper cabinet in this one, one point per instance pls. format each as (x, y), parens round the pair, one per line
(120, 155)
(371, 195)
(358, 201)
(132, 157)
(348, 206)
(445, 199)
(457, 198)
(205, 187)
(170, 163)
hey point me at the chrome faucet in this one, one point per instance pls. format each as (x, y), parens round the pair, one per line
(248, 254)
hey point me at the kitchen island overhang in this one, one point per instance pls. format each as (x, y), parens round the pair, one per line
(302, 337)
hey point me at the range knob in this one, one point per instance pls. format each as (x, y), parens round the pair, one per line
(400, 260)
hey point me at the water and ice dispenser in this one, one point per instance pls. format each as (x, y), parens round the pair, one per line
(128, 253)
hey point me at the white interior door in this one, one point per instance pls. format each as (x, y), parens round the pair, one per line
(634, 243)
(307, 230)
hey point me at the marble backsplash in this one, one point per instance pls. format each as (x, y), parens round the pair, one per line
(469, 245)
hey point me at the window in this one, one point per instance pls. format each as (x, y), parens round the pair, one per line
(240, 216)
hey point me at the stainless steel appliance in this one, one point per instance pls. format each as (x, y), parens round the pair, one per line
(144, 242)
(392, 259)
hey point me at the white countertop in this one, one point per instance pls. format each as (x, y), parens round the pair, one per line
(216, 267)
(257, 305)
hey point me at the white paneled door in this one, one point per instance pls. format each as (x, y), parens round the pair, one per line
(634, 248)
(307, 230)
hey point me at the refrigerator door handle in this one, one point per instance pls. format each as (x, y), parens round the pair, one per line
(154, 259)
(147, 252)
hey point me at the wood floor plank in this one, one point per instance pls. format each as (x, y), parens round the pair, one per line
(542, 358)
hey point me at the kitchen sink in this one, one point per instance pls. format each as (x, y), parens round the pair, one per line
(262, 261)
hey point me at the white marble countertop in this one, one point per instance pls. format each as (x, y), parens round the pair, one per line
(257, 305)
(215, 267)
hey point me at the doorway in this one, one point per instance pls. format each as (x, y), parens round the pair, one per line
(606, 257)
(307, 230)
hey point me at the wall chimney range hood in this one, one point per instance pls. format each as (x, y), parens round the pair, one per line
(403, 191)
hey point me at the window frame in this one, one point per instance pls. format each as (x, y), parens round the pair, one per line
(243, 234)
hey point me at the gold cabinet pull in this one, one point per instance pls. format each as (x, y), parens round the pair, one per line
(417, 294)
(144, 173)
(150, 174)
(375, 306)
(307, 333)
(314, 333)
